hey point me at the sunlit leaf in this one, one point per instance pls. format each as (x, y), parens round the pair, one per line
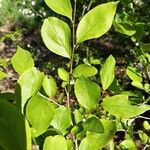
(57, 142)
(39, 112)
(22, 60)
(96, 22)
(87, 93)
(121, 107)
(56, 35)
(107, 72)
(84, 70)
(60, 7)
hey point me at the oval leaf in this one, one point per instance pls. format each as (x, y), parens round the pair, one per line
(15, 132)
(121, 107)
(96, 22)
(84, 70)
(50, 86)
(57, 142)
(62, 119)
(61, 7)
(63, 74)
(56, 35)
(95, 141)
(22, 60)
(29, 84)
(39, 112)
(93, 124)
(87, 93)
(107, 72)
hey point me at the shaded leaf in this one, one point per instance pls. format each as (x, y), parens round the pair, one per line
(121, 107)
(87, 93)
(93, 124)
(84, 70)
(107, 72)
(22, 60)
(15, 133)
(39, 112)
(96, 22)
(60, 7)
(56, 35)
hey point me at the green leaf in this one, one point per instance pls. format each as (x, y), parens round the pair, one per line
(15, 133)
(122, 26)
(107, 72)
(121, 107)
(2, 75)
(8, 96)
(145, 48)
(56, 35)
(78, 117)
(57, 142)
(143, 136)
(137, 84)
(96, 22)
(95, 141)
(63, 74)
(50, 86)
(127, 144)
(22, 60)
(93, 124)
(146, 125)
(29, 84)
(84, 70)
(87, 93)
(134, 74)
(39, 112)
(62, 119)
(61, 7)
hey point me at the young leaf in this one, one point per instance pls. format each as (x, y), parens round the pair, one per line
(107, 72)
(39, 112)
(121, 107)
(15, 132)
(127, 144)
(63, 74)
(2, 75)
(87, 93)
(134, 74)
(84, 70)
(29, 84)
(57, 142)
(50, 86)
(96, 22)
(56, 35)
(22, 60)
(93, 124)
(62, 119)
(95, 141)
(61, 7)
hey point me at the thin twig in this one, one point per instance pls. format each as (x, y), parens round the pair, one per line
(51, 100)
(73, 35)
